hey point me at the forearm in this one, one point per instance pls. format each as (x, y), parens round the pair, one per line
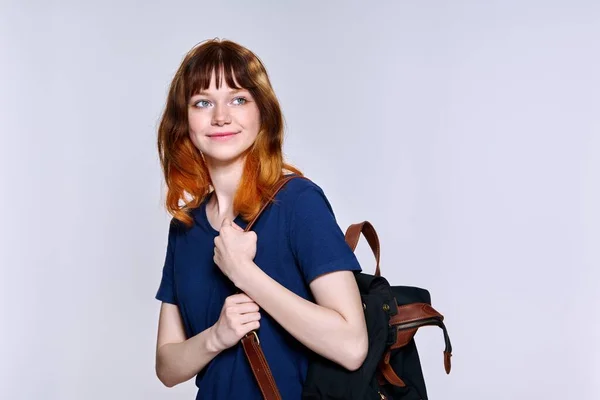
(321, 329)
(179, 362)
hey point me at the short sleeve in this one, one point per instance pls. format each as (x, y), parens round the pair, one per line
(166, 290)
(316, 239)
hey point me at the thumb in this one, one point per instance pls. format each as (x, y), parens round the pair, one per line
(226, 222)
(237, 227)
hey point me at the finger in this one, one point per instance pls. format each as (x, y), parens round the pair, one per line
(249, 317)
(237, 227)
(226, 222)
(239, 299)
(250, 326)
(246, 308)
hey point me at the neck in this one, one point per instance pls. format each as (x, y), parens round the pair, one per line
(225, 180)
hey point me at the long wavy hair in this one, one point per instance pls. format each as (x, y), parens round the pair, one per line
(185, 171)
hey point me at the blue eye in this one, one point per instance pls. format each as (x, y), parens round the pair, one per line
(242, 99)
(200, 103)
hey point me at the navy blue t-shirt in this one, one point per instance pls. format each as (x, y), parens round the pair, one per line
(298, 240)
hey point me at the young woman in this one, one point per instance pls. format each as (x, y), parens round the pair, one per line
(291, 277)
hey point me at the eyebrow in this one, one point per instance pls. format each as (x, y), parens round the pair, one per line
(232, 91)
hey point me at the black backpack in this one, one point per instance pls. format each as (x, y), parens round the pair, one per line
(392, 369)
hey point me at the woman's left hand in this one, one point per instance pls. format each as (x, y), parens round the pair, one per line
(234, 249)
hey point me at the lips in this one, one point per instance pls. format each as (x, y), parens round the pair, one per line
(222, 134)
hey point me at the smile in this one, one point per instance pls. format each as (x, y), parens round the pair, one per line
(222, 135)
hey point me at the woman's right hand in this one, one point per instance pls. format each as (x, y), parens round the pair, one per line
(239, 315)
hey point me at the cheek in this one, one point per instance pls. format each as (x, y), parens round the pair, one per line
(252, 119)
(198, 120)
(196, 127)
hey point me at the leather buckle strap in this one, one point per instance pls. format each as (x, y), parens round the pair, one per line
(260, 367)
(250, 342)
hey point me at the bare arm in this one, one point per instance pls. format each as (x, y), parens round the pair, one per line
(178, 359)
(334, 327)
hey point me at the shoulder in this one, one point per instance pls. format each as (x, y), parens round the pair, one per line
(299, 187)
(176, 229)
(302, 197)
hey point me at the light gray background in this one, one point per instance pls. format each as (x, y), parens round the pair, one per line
(466, 131)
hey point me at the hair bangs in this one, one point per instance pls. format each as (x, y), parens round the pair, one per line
(220, 62)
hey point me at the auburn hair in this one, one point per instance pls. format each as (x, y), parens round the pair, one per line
(186, 174)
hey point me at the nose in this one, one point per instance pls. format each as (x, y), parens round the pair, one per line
(221, 115)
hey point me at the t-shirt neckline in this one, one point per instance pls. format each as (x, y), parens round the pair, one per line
(238, 220)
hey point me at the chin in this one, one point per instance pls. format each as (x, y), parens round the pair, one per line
(224, 156)
(224, 152)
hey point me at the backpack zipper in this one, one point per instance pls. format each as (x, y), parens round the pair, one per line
(414, 324)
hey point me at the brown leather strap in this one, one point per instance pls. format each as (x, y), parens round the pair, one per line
(260, 367)
(278, 187)
(353, 235)
(388, 372)
(254, 354)
(447, 363)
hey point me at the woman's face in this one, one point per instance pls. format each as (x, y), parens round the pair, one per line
(223, 122)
